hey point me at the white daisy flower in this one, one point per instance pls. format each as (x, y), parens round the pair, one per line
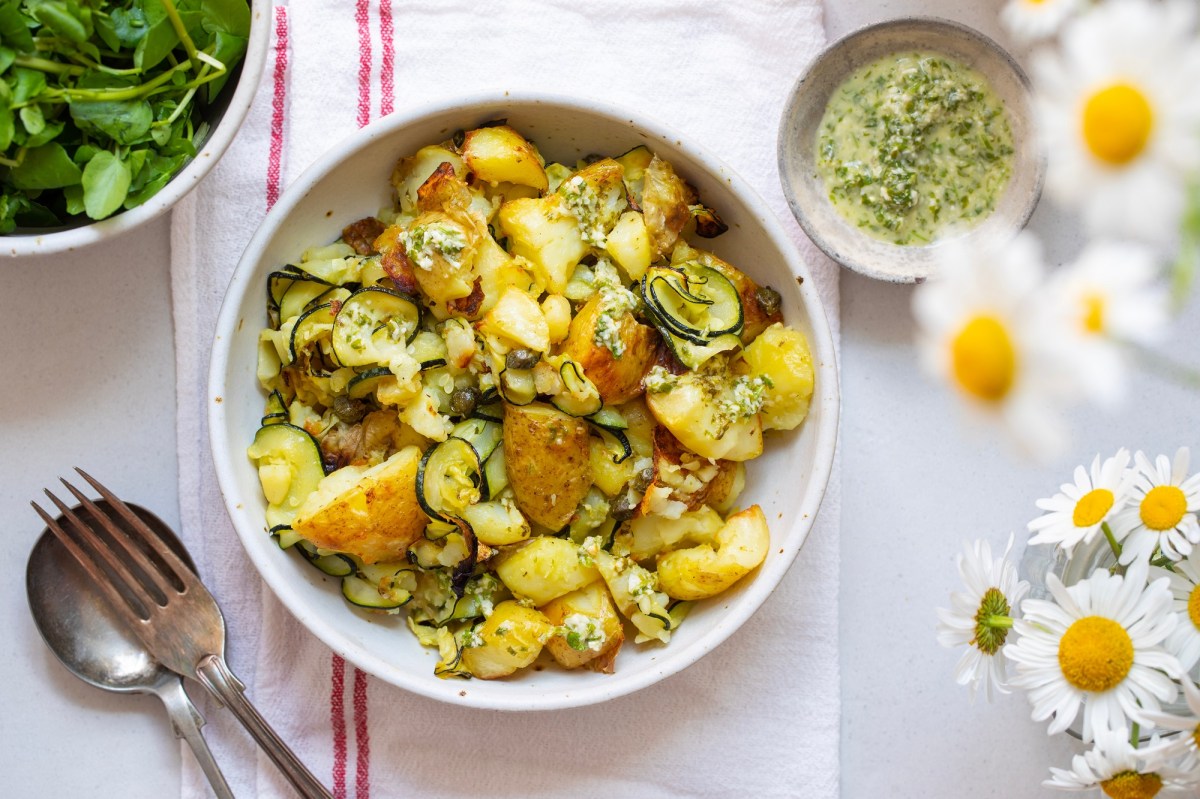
(1119, 110)
(982, 329)
(1189, 725)
(1099, 645)
(1162, 510)
(1077, 512)
(1028, 20)
(1112, 295)
(1122, 772)
(980, 617)
(1184, 584)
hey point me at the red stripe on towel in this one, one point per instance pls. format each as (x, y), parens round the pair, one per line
(278, 98)
(362, 737)
(362, 15)
(387, 66)
(337, 717)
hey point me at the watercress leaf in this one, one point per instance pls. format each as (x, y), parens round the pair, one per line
(7, 56)
(136, 160)
(61, 19)
(7, 125)
(227, 16)
(105, 185)
(33, 119)
(229, 50)
(129, 24)
(27, 84)
(34, 214)
(107, 32)
(159, 40)
(85, 152)
(14, 27)
(50, 132)
(74, 197)
(45, 167)
(123, 121)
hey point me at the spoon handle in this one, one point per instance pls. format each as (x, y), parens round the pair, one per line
(187, 722)
(214, 674)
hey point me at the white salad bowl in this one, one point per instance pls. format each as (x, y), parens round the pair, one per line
(350, 182)
(224, 119)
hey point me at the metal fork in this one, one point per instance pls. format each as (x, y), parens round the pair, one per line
(168, 607)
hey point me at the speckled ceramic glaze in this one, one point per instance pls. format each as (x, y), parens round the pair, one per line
(799, 127)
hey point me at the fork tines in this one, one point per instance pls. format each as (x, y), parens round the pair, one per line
(122, 563)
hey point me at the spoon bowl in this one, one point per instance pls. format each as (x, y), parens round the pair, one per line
(93, 642)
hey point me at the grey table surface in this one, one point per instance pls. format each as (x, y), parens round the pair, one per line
(92, 383)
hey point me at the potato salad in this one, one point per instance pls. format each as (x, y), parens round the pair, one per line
(517, 405)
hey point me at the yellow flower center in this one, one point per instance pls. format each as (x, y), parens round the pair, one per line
(1131, 785)
(1196, 735)
(1092, 507)
(1095, 654)
(1093, 313)
(1194, 607)
(1163, 507)
(1117, 121)
(984, 359)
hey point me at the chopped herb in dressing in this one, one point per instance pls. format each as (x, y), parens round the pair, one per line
(913, 145)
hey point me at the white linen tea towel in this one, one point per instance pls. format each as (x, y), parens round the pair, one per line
(757, 717)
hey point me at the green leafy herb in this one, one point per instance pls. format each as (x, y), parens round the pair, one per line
(99, 99)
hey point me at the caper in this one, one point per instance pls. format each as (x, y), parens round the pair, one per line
(521, 359)
(768, 300)
(349, 410)
(642, 480)
(623, 508)
(463, 400)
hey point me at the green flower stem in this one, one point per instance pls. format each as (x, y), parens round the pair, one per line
(180, 28)
(1183, 374)
(1112, 540)
(46, 65)
(1134, 735)
(997, 622)
(126, 93)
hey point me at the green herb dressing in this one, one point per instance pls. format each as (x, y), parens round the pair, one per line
(912, 145)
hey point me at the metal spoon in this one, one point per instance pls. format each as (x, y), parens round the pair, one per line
(88, 638)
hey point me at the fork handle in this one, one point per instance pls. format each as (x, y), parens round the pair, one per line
(214, 674)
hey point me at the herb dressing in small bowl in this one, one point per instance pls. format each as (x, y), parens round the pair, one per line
(904, 134)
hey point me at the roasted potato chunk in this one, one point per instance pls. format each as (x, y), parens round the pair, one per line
(411, 173)
(683, 481)
(782, 354)
(546, 458)
(369, 512)
(707, 570)
(618, 379)
(510, 639)
(629, 245)
(590, 633)
(545, 233)
(517, 319)
(696, 408)
(499, 154)
(545, 568)
(665, 201)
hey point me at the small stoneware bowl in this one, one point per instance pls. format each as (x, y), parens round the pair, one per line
(798, 130)
(350, 182)
(224, 118)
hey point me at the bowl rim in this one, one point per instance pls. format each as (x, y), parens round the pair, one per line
(222, 135)
(921, 22)
(821, 343)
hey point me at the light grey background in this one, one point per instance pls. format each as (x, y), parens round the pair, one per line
(90, 381)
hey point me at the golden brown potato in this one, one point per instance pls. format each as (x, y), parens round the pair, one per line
(617, 379)
(665, 201)
(545, 568)
(510, 639)
(756, 318)
(369, 512)
(499, 154)
(546, 458)
(703, 571)
(590, 631)
(694, 410)
(544, 232)
(684, 477)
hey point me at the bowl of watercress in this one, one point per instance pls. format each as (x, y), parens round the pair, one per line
(112, 110)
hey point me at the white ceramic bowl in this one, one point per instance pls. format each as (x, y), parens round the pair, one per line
(225, 118)
(799, 127)
(351, 181)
